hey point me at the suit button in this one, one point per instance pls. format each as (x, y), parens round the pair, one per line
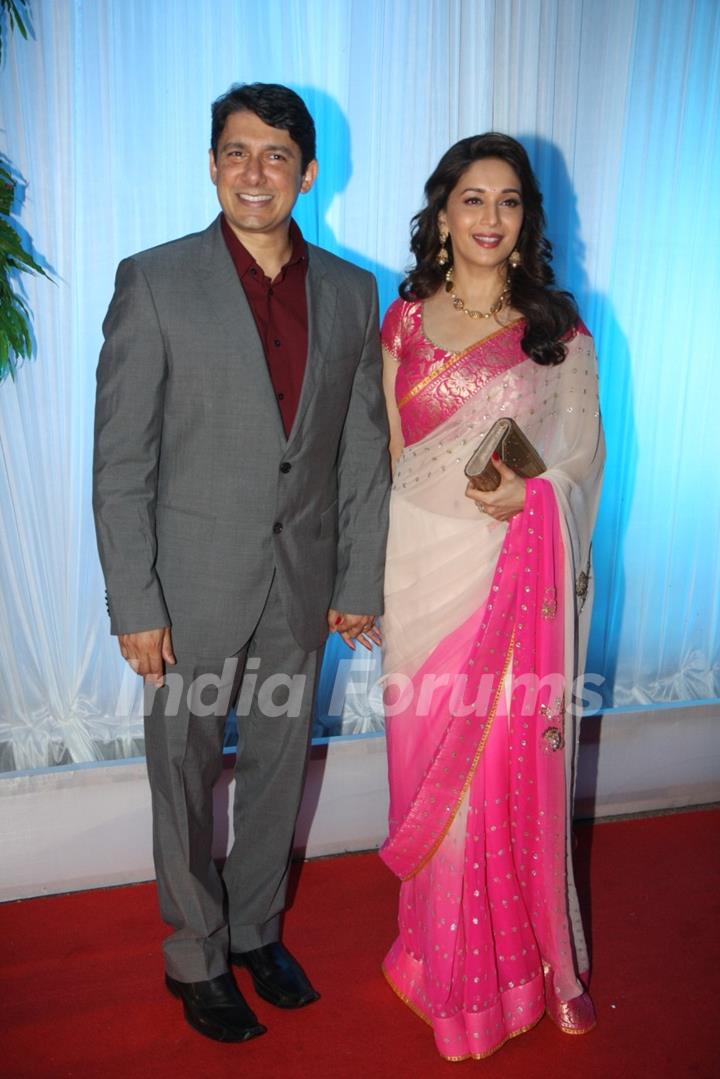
(285, 466)
(277, 528)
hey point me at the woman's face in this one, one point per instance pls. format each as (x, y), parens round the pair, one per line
(484, 215)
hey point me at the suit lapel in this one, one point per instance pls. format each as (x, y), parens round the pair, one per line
(321, 306)
(230, 312)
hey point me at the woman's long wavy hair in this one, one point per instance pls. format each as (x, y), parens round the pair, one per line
(549, 313)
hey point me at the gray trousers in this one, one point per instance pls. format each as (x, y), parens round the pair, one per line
(184, 730)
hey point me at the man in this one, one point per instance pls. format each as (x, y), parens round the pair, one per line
(240, 496)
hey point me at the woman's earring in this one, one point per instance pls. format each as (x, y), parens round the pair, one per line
(515, 259)
(442, 256)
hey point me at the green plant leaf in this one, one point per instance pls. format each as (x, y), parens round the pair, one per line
(18, 14)
(7, 194)
(15, 16)
(15, 332)
(18, 19)
(13, 251)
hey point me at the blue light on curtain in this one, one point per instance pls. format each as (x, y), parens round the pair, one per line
(105, 113)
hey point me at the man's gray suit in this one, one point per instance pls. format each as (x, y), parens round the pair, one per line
(211, 521)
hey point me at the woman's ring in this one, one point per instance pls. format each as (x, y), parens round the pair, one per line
(480, 506)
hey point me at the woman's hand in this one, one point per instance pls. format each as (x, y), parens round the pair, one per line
(355, 627)
(507, 500)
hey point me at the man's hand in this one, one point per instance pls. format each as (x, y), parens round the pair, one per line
(355, 627)
(148, 652)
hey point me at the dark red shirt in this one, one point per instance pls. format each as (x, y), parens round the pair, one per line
(279, 308)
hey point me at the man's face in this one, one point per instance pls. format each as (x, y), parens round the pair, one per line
(258, 175)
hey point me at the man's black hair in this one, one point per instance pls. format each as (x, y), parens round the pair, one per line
(277, 106)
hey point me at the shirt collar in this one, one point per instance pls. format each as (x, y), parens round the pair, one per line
(244, 261)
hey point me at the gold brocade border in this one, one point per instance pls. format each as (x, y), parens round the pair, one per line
(468, 1056)
(585, 1030)
(413, 1008)
(468, 780)
(508, 1038)
(475, 344)
(455, 358)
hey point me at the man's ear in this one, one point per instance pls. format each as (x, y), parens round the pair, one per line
(213, 166)
(309, 177)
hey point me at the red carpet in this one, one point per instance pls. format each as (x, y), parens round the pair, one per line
(82, 990)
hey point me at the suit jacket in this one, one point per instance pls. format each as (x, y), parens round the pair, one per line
(198, 495)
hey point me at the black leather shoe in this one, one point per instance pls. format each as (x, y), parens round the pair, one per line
(217, 1009)
(277, 977)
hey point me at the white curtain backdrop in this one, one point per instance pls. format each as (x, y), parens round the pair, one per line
(105, 114)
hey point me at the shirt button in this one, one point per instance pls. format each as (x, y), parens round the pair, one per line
(285, 466)
(277, 342)
(253, 271)
(281, 397)
(277, 528)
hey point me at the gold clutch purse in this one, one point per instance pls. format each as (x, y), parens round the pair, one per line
(507, 440)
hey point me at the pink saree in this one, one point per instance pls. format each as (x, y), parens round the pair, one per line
(484, 630)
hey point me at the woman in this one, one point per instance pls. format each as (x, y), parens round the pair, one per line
(486, 613)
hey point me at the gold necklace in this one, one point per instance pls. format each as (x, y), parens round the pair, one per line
(459, 304)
